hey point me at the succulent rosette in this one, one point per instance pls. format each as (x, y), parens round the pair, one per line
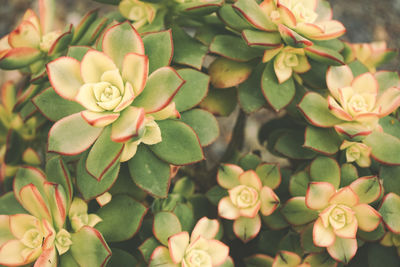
(372, 55)
(140, 13)
(32, 40)
(357, 152)
(42, 235)
(247, 196)
(355, 104)
(341, 214)
(201, 248)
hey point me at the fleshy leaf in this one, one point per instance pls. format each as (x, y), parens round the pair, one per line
(318, 195)
(19, 57)
(367, 188)
(149, 172)
(103, 155)
(165, 225)
(297, 213)
(324, 169)
(227, 73)
(161, 87)
(179, 145)
(250, 96)
(159, 48)
(57, 172)
(89, 248)
(247, 228)
(234, 48)
(254, 15)
(121, 218)
(203, 123)
(129, 125)
(269, 174)
(385, 147)
(278, 95)
(262, 39)
(390, 212)
(120, 40)
(344, 249)
(325, 141)
(72, 135)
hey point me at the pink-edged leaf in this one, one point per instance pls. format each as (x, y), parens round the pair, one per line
(20, 223)
(269, 201)
(332, 29)
(292, 38)
(127, 98)
(338, 77)
(343, 250)
(8, 94)
(89, 247)
(28, 175)
(65, 76)
(103, 155)
(120, 40)
(58, 202)
(322, 236)
(367, 217)
(129, 125)
(161, 87)
(48, 258)
(19, 57)
(34, 202)
(254, 15)
(347, 231)
(286, 15)
(46, 14)
(344, 196)
(161, 258)
(206, 228)
(385, 147)
(318, 195)
(72, 135)
(99, 119)
(389, 101)
(389, 211)
(218, 252)
(315, 108)
(286, 259)
(135, 68)
(165, 225)
(94, 64)
(177, 245)
(250, 178)
(228, 175)
(26, 35)
(247, 228)
(368, 188)
(11, 254)
(227, 210)
(365, 83)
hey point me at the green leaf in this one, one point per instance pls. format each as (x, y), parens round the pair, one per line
(57, 172)
(225, 73)
(390, 212)
(203, 123)
(187, 51)
(89, 248)
(120, 258)
(160, 88)
(290, 144)
(278, 95)
(307, 240)
(387, 79)
(62, 42)
(385, 147)
(373, 236)
(220, 102)
(269, 174)
(343, 249)
(249, 92)
(367, 188)
(193, 91)
(299, 183)
(325, 141)
(252, 12)
(231, 18)
(262, 39)
(72, 135)
(391, 178)
(290, 242)
(77, 52)
(324, 55)
(320, 260)
(249, 161)
(159, 49)
(103, 155)
(215, 194)
(247, 229)
(29, 175)
(390, 126)
(179, 145)
(296, 212)
(348, 174)
(268, 241)
(315, 109)
(121, 218)
(324, 169)
(67, 260)
(185, 215)
(275, 221)
(234, 48)
(147, 248)
(315, 77)
(259, 260)
(165, 225)
(84, 25)
(88, 186)
(149, 172)
(292, 38)
(125, 185)
(19, 57)
(200, 8)
(54, 107)
(9, 205)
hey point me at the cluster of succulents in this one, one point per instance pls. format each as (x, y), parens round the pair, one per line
(106, 141)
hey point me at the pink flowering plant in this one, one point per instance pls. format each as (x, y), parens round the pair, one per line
(128, 138)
